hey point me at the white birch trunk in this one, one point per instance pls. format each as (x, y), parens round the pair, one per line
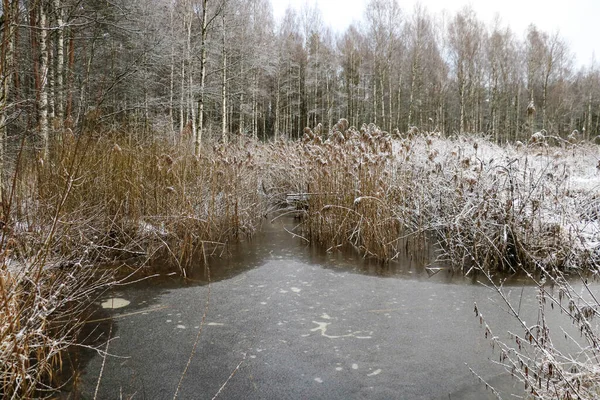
(172, 77)
(6, 72)
(182, 99)
(204, 29)
(224, 88)
(43, 100)
(190, 64)
(60, 62)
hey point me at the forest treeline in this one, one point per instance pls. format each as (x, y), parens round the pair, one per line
(218, 68)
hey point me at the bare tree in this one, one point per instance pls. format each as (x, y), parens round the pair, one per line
(44, 69)
(384, 23)
(7, 50)
(465, 34)
(351, 59)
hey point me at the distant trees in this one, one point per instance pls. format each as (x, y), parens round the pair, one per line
(384, 21)
(225, 67)
(426, 72)
(465, 44)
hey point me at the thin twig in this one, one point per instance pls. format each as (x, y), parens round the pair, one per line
(195, 346)
(103, 363)
(230, 376)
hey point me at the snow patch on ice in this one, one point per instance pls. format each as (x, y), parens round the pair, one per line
(114, 303)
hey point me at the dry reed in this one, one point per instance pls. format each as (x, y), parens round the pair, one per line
(106, 200)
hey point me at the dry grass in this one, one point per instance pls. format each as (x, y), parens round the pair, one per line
(140, 200)
(353, 189)
(106, 201)
(482, 205)
(40, 317)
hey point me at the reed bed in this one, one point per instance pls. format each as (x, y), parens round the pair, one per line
(345, 180)
(111, 200)
(98, 201)
(130, 201)
(501, 208)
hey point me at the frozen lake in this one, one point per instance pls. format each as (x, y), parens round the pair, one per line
(296, 323)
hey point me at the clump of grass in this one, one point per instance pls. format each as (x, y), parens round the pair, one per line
(354, 189)
(41, 309)
(41, 301)
(349, 184)
(106, 200)
(132, 200)
(486, 206)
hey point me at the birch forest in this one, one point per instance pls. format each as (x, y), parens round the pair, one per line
(213, 69)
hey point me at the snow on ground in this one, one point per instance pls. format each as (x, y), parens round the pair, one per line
(558, 186)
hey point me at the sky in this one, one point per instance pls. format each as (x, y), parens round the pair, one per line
(577, 21)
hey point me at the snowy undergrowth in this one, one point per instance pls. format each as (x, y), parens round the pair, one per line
(488, 206)
(515, 207)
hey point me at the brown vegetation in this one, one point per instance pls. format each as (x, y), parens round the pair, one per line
(485, 206)
(488, 210)
(106, 201)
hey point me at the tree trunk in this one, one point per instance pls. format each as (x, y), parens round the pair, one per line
(44, 67)
(204, 30)
(382, 84)
(391, 97)
(277, 105)
(224, 87)
(413, 88)
(254, 108)
(462, 88)
(69, 108)
(51, 70)
(375, 98)
(190, 67)
(399, 97)
(588, 120)
(172, 76)
(182, 121)
(241, 119)
(6, 73)
(33, 23)
(60, 61)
